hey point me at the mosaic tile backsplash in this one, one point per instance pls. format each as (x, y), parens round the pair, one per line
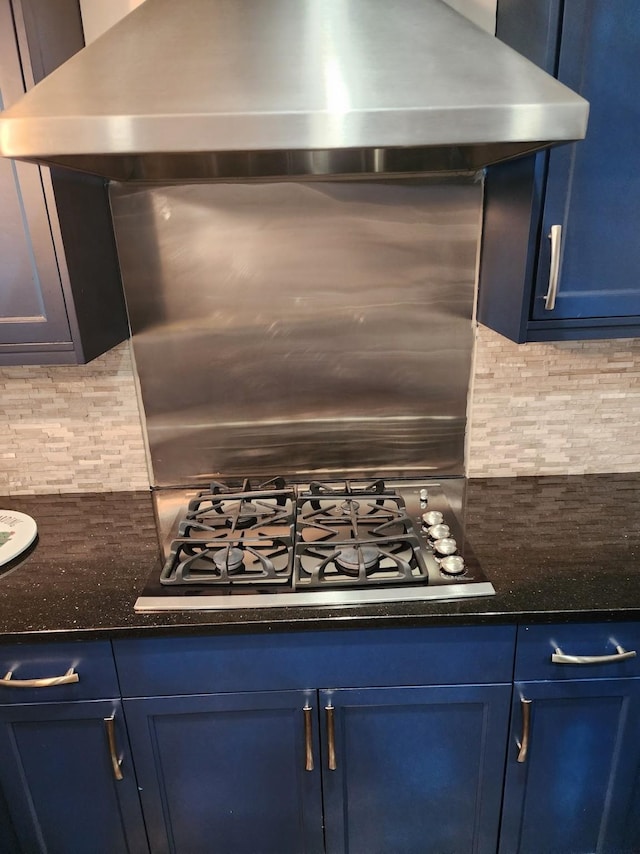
(564, 408)
(71, 428)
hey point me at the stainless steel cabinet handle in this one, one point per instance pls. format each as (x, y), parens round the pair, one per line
(331, 737)
(525, 706)
(308, 740)
(46, 682)
(555, 236)
(558, 657)
(110, 727)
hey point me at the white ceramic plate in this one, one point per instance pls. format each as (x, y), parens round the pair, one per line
(17, 532)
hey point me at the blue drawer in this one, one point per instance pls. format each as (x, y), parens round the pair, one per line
(537, 644)
(92, 662)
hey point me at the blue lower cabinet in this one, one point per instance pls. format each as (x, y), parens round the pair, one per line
(391, 770)
(59, 776)
(229, 773)
(577, 789)
(418, 770)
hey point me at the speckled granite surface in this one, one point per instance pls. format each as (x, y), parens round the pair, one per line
(555, 548)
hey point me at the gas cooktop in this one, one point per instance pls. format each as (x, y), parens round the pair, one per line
(239, 546)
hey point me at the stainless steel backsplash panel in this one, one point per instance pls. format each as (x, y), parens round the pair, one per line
(301, 328)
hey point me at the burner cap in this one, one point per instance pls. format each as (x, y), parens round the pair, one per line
(349, 506)
(229, 559)
(350, 559)
(245, 516)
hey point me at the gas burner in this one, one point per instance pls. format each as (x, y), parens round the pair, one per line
(348, 507)
(352, 558)
(240, 522)
(229, 558)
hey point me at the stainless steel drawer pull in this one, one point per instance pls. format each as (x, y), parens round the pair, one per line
(46, 682)
(331, 737)
(110, 727)
(555, 236)
(525, 706)
(308, 740)
(558, 657)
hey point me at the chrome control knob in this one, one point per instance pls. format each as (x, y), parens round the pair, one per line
(438, 532)
(446, 546)
(452, 565)
(432, 517)
(424, 495)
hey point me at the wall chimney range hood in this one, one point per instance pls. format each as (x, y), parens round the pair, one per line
(215, 89)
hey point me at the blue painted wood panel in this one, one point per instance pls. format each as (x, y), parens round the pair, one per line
(419, 770)
(593, 187)
(8, 841)
(32, 307)
(536, 645)
(287, 661)
(58, 781)
(225, 774)
(578, 790)
(92, 661)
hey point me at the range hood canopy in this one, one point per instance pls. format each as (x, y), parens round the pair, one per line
(206, 89)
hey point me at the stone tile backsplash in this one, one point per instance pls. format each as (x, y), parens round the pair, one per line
(71, 428)
(561, 408)
(535, 409)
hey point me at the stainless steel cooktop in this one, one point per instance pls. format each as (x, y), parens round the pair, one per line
(243, 546)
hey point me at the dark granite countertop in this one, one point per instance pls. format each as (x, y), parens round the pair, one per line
(556, 549)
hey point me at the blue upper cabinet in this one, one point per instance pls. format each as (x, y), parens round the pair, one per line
(576, 209)
(61, 300)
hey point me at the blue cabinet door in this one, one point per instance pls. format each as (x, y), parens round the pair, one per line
(417, 770)
(58, 780)
(228, 773)
(32, 307)
(578, 789)
(593, 187)
(590, 189)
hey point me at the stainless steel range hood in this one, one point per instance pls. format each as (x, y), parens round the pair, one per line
(206, 89)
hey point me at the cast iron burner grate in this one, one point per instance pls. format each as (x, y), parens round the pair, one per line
(388, 560)
(234, 562)
(222, 512)
(344, 517)
(350, 534)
